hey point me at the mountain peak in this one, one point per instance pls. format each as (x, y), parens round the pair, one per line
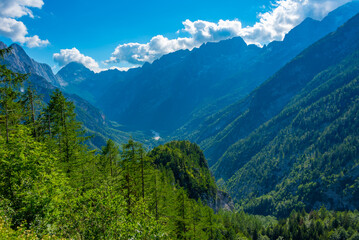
(2, 45)
(76, 65)
(74, 72)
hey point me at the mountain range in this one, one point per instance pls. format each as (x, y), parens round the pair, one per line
(278, 124)
(181, 88)
(45, 82)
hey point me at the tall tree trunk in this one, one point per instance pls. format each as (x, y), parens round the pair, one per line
(33, 114)
(142, 176)
(111, 165)
(49, 123)
(7, 124)
(156, 198)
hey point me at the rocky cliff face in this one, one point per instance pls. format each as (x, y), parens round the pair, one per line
(19, 61)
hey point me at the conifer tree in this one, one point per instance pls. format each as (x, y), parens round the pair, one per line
(10, 104)
(110, 158)
(65, 129)
(130, 159)
(31, 102)
(181, 219)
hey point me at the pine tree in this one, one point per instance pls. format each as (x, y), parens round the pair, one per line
(10, 104)
(31, 102)
(65, 130)
(130, 159)
(110, 158)
(181, 211)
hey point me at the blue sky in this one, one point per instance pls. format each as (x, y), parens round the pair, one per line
(120, 32)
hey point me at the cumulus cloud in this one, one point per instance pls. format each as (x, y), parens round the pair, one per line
(272, 25)
(73, 55)
(200, 31)
(16, 30)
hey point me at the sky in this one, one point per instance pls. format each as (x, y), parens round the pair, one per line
(123, 34)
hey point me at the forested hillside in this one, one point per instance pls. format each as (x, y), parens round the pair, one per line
(53, 187)
(263, 142)
(292, 141)
(218, 132)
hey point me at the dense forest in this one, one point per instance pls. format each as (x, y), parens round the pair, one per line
(54, 186)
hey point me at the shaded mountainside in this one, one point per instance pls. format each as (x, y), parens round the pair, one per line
(174, 89)
(184, 87)
(223, 128)
(293, 141)
(95, 122)
(76, 78)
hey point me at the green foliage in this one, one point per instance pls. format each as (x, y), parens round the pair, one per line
(52, 185)
(320, 224)
(189, 167)
(307, 155)
(29, 178)
(10, 104)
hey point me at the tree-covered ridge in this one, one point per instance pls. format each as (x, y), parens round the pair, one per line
(189, 167)
(312, 158)
(306, 155)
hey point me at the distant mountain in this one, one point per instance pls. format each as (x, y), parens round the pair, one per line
(74, 73)
(293, 142)
(76, 78)
(43, 79)
(184, 87)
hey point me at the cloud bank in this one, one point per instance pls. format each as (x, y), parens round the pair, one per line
(16, 30)
(73, 55)
(272, 25)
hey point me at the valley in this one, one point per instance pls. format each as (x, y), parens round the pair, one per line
(227, 140)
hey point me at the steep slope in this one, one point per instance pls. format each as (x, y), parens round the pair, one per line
(19, 61)
(189, 167)
(185, 162)
(293, 141)
(175, 89)
(311, 158)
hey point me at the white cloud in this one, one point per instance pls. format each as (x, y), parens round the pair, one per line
(136, 53)
(200, 31)
(73, 55)
(272, 25)
(122, 69)
(16, 30)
